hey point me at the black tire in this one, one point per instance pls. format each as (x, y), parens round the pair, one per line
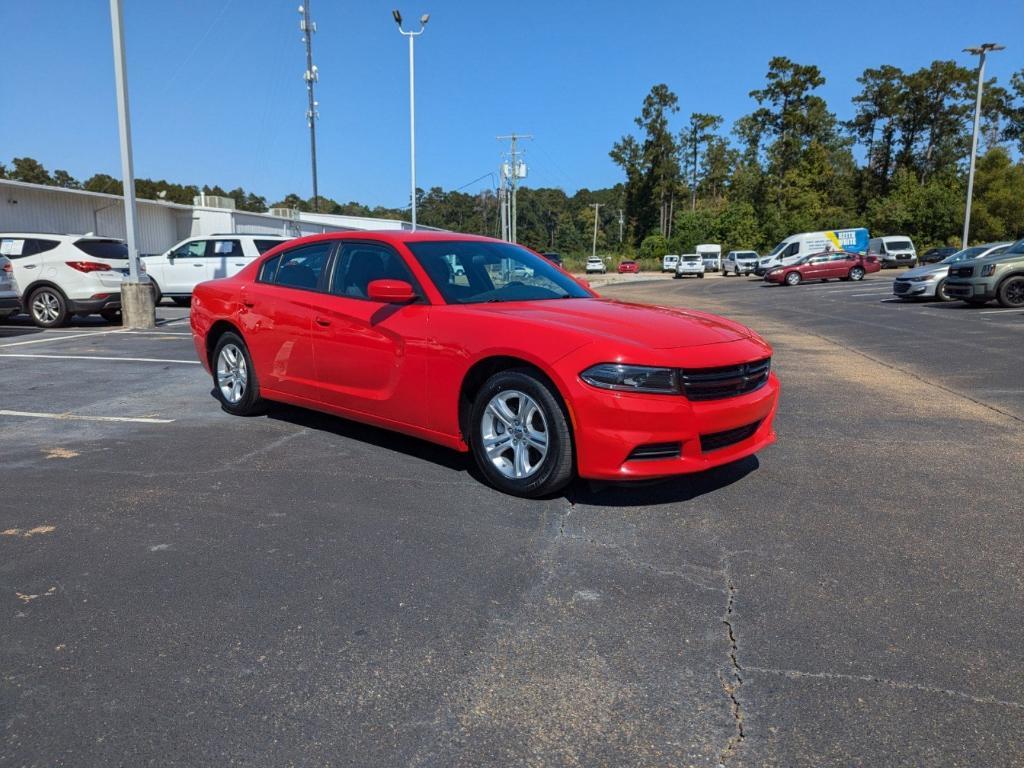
(857, 273)
(701, 275)
(250, 403)
(48, 308)
(940, 292)
(1011, 292)
(675, 276)
(182, 301)
(554, 471)
(112, 316)
(793, 278)
(157, 293)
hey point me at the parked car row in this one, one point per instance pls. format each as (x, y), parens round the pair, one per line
(996, 275)
(54, 277)
(929, 281)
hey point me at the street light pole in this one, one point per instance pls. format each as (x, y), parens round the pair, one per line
(412, 104)
(597, 207)
(980, 51)
(137, 309)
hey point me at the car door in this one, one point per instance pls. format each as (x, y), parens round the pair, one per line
(25, 262)
(277, 316)
(838, 265)
(816, 268)
(224, 257)
(371, 357)
(186, 267)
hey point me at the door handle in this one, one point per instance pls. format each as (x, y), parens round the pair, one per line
(198, 265)
(323, 322)
(30, 266)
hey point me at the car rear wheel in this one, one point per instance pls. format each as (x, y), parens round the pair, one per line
(701, 275)
(234, 378)
(157, 294)
(793, 278)
(520, 436)
(1011, 293)
(940, 292)
(48, 307)
(857, 273)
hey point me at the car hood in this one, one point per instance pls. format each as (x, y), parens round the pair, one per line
(925, 271)
(636, 324)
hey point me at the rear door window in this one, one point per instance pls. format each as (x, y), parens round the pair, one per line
(265, 245)
(218, 248)
(299, 267)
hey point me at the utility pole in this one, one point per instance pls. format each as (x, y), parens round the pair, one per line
(311, 76)
(620, 226)
(137, 310)
(514, 170)
(979, 51)
(597, 207)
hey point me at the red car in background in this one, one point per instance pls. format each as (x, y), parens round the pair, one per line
(485, 347)
(825, 266)
(628, 266)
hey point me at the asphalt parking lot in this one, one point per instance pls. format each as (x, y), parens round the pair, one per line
(182, 587)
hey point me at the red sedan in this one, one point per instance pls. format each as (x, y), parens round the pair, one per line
(628, 266)
(823, 266)
(483, 346)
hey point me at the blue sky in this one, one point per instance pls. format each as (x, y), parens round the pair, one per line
(217, 95)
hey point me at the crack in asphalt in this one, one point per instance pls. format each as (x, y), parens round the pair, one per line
(733, 681)
(796, 674)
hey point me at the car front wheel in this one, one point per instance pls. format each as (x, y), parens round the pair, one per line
(234, 378)
(857, 273)
(520, 436)
(940, 292)
(793, 278)
(1011, 293)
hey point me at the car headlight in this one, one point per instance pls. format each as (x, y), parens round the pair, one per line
(774, 270)
(921, 279)
(988, 270)
(632, 378)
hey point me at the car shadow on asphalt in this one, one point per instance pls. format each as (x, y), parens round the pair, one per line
(671, 490)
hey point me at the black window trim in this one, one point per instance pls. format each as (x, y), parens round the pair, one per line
(421, 297)
(321, 286)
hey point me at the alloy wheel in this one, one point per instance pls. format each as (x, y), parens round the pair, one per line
(232, 373)
(1013, 293)
(45, 307)
(514, 434)
(856, 273)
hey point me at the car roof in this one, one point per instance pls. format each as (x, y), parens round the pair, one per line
(58, 235)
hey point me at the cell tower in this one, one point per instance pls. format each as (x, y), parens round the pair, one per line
(311, 76)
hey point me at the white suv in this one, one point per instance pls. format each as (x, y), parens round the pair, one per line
(63, 275)
(175, 273)
(689, 264)
(596, 265)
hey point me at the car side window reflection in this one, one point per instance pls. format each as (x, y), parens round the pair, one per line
(297, 268)
(360, 264)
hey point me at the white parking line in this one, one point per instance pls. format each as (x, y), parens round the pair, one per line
(994, 311)
(77, 417)
(112, 359)
(855, 295)
(59, 338)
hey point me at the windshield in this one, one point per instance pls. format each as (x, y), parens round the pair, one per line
(103, 249)
(898, 245)
(965, 254)
(472, 272)
(1017, 247)
(778, 248)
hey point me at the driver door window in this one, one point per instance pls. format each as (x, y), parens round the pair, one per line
(360, 264)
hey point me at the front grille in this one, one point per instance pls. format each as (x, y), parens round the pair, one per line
(901, 286)
(655, 451)
(967, 271)
(730, 381)
(718, 440)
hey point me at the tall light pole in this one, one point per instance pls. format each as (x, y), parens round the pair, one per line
(597, 208)
(137, 309)
(412, 104)
(311, 76)
(981, 51)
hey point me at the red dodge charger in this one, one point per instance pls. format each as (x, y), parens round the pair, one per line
(483, 346)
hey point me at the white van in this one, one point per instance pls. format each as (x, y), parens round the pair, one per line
(668, 262)
(711, 255)
(795, 247)
(893, 251)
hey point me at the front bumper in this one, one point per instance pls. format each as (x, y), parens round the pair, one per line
(609, 425)
(905, 289)
(774, 277)
(969, 290)
(897, 261)
(694, 272)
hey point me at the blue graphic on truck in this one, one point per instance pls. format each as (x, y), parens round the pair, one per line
(851, 240)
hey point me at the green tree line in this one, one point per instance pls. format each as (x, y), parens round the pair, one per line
(791, 165)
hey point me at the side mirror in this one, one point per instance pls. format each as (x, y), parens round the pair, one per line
(390, 291)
